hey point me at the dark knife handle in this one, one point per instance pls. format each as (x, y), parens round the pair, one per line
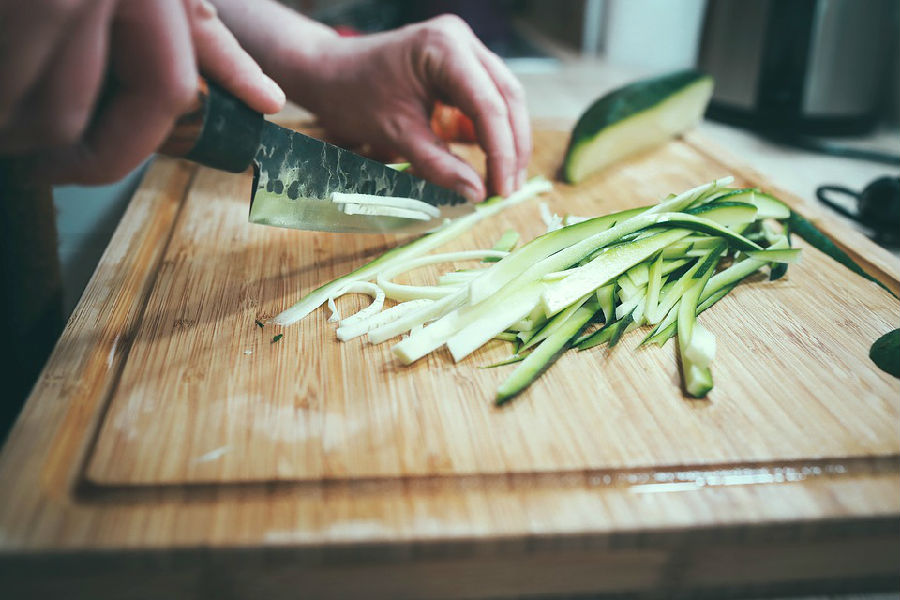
(218, 131)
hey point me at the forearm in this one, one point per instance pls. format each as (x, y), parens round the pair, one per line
(288, 46)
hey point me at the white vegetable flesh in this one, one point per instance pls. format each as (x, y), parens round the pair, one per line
(652, 265)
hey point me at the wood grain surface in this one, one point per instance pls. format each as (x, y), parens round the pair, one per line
(167, 424)
(207, 397)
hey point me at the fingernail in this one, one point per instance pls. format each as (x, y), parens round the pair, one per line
(274, 90)
(471, 194)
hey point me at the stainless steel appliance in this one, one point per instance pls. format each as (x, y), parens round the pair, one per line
(802, 66)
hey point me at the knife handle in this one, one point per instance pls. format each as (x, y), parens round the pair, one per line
(218, 131)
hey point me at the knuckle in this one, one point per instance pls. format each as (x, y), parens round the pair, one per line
(492, 108)
(452, 22)
(514, 90)
(392, 127)
(445, 30)
(177, 94)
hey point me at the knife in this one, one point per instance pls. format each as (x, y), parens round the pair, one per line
(294, 175)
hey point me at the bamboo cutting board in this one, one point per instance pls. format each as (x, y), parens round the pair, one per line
(205, 396)
(167, 423)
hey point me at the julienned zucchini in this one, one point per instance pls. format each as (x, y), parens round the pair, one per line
(659, 265)
(633, 118)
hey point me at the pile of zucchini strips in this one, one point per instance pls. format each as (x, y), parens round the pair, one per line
(582, 284)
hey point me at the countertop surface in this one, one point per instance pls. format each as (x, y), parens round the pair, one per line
(557, 91)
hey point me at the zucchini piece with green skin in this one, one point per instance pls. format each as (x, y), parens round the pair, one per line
(776, 255)
(661, 337)
(742, 214)
(697, 375)
(670, 295)
(570, 244)
(413, 249)
(506, 336)
(768, 206)
(801, 226)
(604, 269)
(506, 243)
(667, 310)
(716, 287)
(555, 323)
(510, 267)
(606, 266)
(777, 270)
(654, 286)
(606, 296)
(633, 118)
(545, 354)
(567, 256)
(623, 326)
(612, 332)
(509, 360)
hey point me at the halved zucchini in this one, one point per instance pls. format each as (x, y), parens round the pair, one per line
(633, 118)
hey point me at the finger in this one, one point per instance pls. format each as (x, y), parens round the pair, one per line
(432, 160)
(156, 80)
(458, 74)
(514, 95)
(60, 107)
(222, 59)
(29, 36)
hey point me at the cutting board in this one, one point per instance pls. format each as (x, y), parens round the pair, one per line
(167, 417)
(206, 396)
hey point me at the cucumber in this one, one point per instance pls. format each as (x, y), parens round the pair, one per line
(633, 118)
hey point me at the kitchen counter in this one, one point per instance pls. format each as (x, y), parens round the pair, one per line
(569, 532)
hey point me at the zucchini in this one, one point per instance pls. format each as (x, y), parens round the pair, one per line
(633, 118)
(544, 355)
(696, 345)
(801, 226)
(506, 243)
(413, 249)
(653, 265)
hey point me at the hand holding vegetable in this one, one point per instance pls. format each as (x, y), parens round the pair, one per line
(380, 89)
(90, 88)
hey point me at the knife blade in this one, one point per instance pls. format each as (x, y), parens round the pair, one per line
(294, 175)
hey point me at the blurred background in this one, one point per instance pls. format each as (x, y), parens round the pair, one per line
(806, 92)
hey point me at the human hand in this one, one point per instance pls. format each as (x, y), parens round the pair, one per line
(380, 89)
(90, 88)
